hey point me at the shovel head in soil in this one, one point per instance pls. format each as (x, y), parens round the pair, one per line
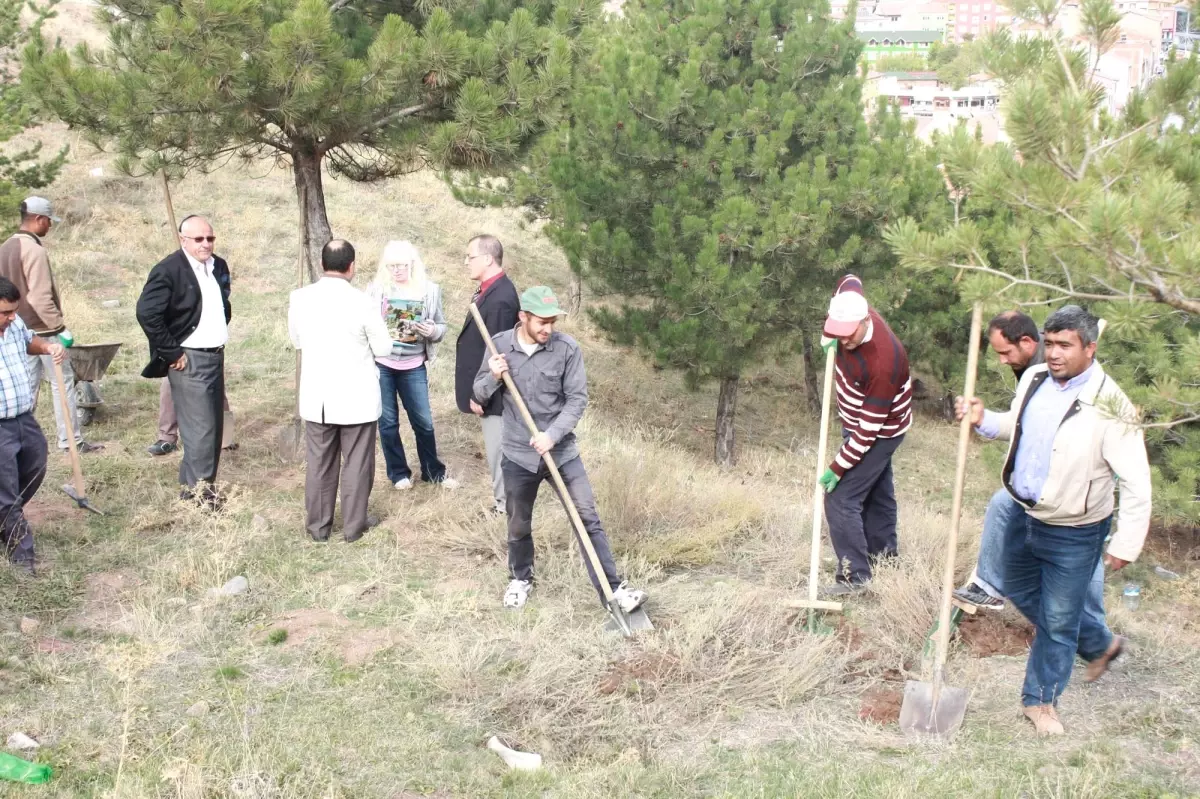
(922, 714)
(627, 623)
(82, 502)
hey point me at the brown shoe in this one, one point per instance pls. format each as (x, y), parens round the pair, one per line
(1045, 720)
(1097, 668)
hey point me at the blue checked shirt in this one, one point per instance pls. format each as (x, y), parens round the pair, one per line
(16, 390)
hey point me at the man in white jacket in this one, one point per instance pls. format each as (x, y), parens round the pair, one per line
(1073, 432)
(339, 333)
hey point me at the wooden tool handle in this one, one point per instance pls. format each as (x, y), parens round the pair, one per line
(960, 471)
(580, 530)
(69, 423)
(814, 561)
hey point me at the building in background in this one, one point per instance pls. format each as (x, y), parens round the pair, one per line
(880, 43)
(973, 19)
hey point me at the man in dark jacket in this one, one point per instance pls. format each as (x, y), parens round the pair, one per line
(499, 306)
(184, 311)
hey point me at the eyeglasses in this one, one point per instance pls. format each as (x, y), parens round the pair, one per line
(200, 239)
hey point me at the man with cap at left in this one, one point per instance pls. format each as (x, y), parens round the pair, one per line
(547, 368)
(25, 262)
(874, 399)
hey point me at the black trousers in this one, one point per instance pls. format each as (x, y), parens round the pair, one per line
(22, 468)
(198, 391)
(861, 512)
(521, 490)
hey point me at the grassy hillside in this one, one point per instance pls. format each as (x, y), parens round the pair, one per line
(398, 662)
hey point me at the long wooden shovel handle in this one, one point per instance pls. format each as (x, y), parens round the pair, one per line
(69, 423)
(580, 530)
(814, 558)
(960, 471)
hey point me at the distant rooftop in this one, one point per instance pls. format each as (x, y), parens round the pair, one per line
(924, 37)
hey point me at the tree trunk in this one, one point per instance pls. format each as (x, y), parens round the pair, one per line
(812, 386)
(726, 408)
(575, 293)
(314, 221)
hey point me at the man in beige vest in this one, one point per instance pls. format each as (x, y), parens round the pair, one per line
(25, 262)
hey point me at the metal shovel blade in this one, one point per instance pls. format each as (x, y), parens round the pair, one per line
(627, 623)
(920, 716)
(82, 502)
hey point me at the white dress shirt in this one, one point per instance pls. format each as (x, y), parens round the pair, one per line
(340, 333)
(212, 330)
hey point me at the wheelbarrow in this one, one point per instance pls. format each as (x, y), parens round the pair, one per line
(90, 362)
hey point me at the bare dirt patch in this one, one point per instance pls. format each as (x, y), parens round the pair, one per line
(641, 671)
(882, 705)
(301, 625)
(359, 647)
(103, 593)
(987, 635)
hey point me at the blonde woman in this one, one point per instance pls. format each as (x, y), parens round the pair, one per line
(411, 306)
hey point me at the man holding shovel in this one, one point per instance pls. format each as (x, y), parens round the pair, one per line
(874, 399)
(1072, 431)
(25, 261)
(22, 444)
(546, 367)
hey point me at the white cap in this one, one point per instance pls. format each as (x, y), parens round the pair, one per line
(846, 311)
(39, 206)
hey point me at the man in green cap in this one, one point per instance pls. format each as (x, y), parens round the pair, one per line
(547, 368)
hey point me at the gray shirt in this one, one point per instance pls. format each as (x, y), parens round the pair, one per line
(553, 384)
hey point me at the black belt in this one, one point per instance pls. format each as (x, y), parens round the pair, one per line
(207, 349)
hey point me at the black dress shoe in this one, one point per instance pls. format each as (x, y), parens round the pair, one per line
(161, 448)
(320, 539)
(372, 521)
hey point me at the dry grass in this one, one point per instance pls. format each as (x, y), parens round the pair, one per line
(399, 663)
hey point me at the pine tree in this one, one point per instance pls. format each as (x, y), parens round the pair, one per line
(1093, 208)
(20, 171)
(369, 89)
(715, 178)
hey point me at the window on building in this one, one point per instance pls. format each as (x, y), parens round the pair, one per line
(1124, 38)
(873, 43)
(887, 42)
(900, 42)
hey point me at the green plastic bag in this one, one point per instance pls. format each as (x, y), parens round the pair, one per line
(18, 770)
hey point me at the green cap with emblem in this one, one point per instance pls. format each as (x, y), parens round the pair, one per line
(541, 301)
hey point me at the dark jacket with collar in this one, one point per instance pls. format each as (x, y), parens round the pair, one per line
(499, 307)
(169, 308)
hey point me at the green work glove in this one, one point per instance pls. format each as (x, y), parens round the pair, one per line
(829, 481)
(18, 770)
(827, 344)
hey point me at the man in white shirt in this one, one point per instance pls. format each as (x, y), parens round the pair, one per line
(339, 333)
(184, 311)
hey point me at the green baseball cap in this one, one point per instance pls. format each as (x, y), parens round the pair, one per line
(541, 301)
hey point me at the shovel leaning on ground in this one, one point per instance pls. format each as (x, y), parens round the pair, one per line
(75, 491)
(619, 620)
(936, 708)
(814, 558)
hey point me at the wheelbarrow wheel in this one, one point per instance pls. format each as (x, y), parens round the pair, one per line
(86, 415)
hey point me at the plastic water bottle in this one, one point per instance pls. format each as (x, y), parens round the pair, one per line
(1132, 596)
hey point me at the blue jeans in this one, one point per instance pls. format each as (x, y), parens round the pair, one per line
(1048, 572)
(412, 386)
(989, 571)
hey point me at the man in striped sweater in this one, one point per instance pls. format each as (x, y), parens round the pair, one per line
(874, 399)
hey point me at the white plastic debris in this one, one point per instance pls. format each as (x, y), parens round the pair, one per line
(521, 761)
(22, 742)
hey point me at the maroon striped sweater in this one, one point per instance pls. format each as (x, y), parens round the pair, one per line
(874, 391)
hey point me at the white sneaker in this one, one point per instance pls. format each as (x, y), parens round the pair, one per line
(449, 483)
(516, 593)
(403, 485)
(629, 599)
